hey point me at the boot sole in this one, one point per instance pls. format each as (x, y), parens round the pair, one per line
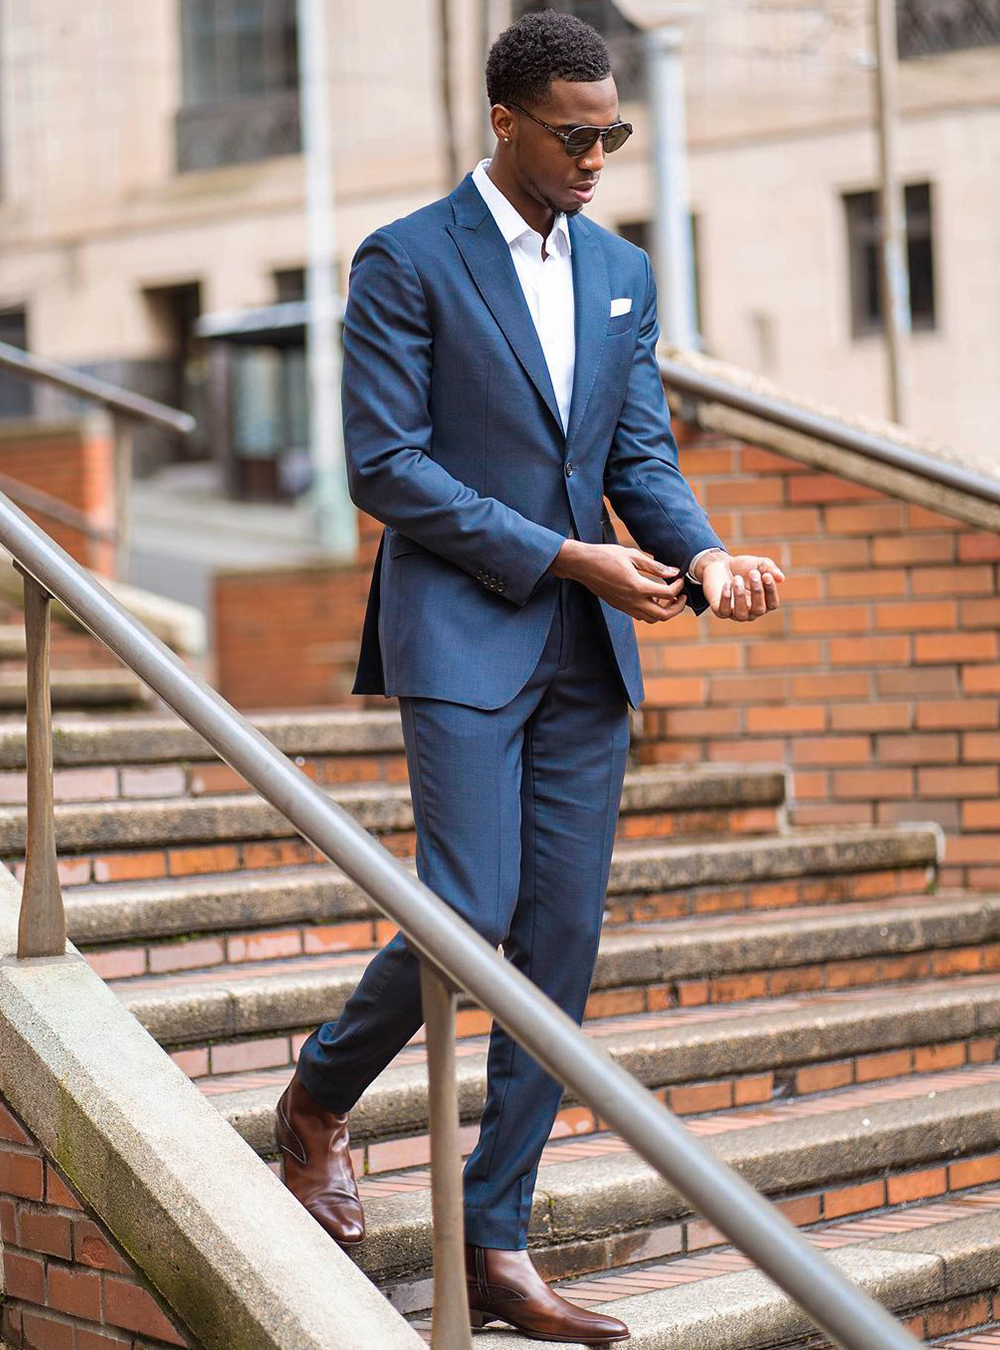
(478, 1320)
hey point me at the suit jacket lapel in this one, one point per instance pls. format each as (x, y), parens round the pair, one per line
(592, 306)
(487, 257)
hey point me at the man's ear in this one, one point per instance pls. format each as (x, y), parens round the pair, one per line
(502, 121)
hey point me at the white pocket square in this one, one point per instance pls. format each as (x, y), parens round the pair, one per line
(621, 305)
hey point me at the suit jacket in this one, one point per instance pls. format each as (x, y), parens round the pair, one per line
(453, 440)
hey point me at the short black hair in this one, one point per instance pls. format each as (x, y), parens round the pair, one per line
(539, 48)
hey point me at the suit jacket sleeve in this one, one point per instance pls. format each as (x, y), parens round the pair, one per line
(388, 343)
(641, 477)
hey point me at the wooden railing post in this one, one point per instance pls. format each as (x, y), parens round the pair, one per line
(450, 1329)
(41, 929)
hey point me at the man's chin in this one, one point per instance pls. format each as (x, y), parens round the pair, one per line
(571, 208)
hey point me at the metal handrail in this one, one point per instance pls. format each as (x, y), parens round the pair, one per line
(453, 951)
(63, 513)
(125, 408)
(110, 396)
(705, 386)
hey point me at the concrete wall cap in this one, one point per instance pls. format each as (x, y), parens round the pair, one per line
(241, 1263)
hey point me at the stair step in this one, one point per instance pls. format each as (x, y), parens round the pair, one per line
(695, 1060)
(687, 962)
(988, 1338)
(382, 808)
(12, 646)
(934, 1265)
(78, 688)
(600, 1200)
(149, 738)
(653, 880)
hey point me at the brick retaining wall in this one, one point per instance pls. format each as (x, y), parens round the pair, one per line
(877, 683)
(68, 1284)
(73, 462)
(288, 637)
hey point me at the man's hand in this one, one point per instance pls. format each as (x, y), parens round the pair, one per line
(627, 578)
(742, 587)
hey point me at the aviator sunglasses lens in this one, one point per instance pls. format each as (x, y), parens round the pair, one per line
(616, 137)
(583, 138)
(580, 141)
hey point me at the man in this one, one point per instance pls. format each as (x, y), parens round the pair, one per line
(499, 379)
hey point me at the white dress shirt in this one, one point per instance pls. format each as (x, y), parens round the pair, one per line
(547, 284)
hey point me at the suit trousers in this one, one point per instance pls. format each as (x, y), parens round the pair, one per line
(515, 811)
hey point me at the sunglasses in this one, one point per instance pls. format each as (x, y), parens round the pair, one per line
(578, 140)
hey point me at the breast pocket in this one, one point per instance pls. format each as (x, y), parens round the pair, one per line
(621, 323)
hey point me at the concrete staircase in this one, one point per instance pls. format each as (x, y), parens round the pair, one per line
(83, 675)
(805, 997)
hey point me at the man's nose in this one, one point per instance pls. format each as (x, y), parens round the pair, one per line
(593, 160)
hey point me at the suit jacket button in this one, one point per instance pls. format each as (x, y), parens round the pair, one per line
(569, 468)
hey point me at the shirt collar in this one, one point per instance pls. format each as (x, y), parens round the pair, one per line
(510, 222)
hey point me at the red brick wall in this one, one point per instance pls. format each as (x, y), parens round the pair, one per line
(75, 464)
(876, 682)
(68, 1285)
(289, 638)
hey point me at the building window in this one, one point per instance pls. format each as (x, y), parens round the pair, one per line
(637, 232)
(182, 369)
(622, 36)
(15, 392)
(924, 27)
(240, 82)
(290, 284)
(863, 248)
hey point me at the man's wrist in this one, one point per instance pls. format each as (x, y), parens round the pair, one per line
(697, 568)
(567, 560)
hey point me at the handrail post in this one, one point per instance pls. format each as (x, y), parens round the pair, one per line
(41, 927)
(450, 1327)
(124, 433)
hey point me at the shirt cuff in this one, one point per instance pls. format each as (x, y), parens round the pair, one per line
(713, 549)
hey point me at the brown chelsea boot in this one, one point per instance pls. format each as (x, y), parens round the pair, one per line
(317, 1163)
(504, 1286)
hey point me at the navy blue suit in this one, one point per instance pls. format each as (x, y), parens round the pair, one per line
(513, 685)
